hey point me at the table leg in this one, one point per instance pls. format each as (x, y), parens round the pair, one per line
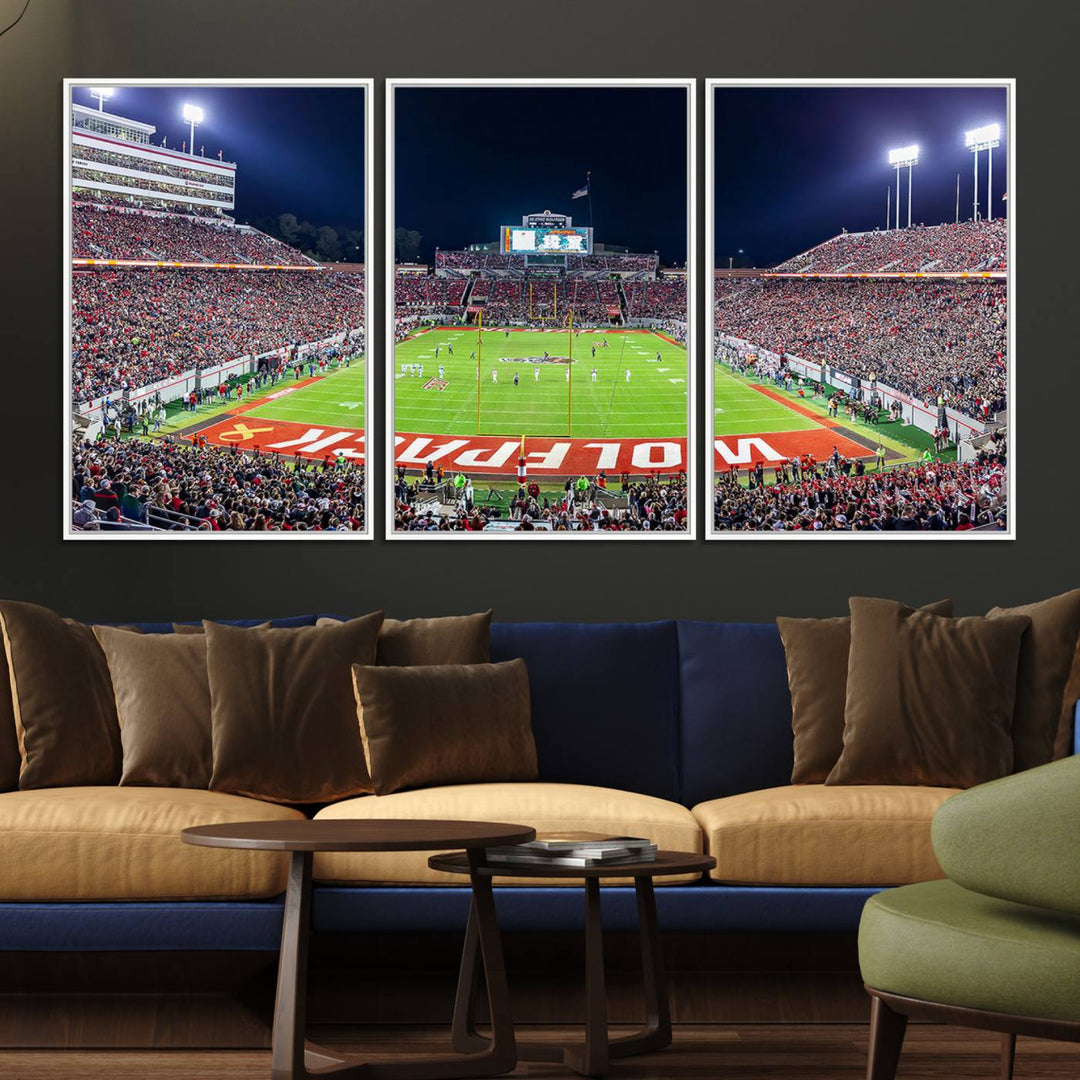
(463, 1034)
(592, 1058)
(657, 1031)
(294, 1059)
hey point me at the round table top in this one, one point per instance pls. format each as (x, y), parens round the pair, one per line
(666, 862)
(375, 834)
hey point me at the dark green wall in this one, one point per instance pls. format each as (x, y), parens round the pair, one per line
(745, 580)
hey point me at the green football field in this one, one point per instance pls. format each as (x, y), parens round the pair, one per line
(652, 404)
(741, 410)
(336, 400)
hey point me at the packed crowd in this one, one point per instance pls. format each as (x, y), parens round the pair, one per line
(111, 234)
(134, 327)
(927, 338)
(654, 503)
(126, 483)
(93, 155)
(165, 189)
(492, 260)
(415, 291)
(657, 299)
(932, 496)
(980, 245)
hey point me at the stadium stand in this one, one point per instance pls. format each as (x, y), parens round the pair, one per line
(966, 246)
(134, 327)
(924, 337)
(124, 484)
(99, 233)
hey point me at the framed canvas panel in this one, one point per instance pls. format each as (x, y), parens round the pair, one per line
(540, 291)
(861, 365)
(216, 253)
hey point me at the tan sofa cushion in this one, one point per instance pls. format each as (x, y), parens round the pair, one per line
(546, 807)
(123, 843)
(810, 834)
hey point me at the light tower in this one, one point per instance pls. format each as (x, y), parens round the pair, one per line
(102, 93)
(905, 157)
(983, 138)
(193, 114)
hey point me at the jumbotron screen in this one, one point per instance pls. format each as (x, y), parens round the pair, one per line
(523, 240)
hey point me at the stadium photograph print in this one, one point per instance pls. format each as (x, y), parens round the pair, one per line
(542, 275)
(216, 253)
(861, 382)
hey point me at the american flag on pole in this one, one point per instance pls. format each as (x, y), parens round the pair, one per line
(581, 191)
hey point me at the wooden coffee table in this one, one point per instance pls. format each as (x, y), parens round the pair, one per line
(291, 1057)
(592, 1057)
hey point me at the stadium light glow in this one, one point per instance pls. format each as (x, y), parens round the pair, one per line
(193, 114)
(988, 133)
(977, 139)
(102, 93)
(904, 157)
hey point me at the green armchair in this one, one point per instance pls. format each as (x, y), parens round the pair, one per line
(997, 944)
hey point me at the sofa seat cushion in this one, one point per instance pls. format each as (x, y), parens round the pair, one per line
(546, 807)
(940, 942)
(123, 843)
(810, 834)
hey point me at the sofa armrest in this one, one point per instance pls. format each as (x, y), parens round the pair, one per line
(1076, 729)
(1017, 838)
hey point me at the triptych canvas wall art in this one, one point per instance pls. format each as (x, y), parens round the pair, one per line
(541, 339)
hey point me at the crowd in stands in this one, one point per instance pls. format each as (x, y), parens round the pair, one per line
(839, 495)
(421, 291)
(110, 234)
(654, 503)
(170, 484)
(492, 260)
(927, 338)
(135, 327)
(96, 155)
(968, 245)
(82, 175)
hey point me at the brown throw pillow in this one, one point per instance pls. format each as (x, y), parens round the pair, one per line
(1066, 733)
(454, 639)
(61, 693)
(163, 703)
(817, 661)
(283, 713)
(9, 739)
(929, 699)
(1046, 658)
(447, 724)
(197, 628)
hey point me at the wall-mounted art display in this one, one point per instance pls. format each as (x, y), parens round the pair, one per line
(539, 309)
(216, 249)
(861, 369)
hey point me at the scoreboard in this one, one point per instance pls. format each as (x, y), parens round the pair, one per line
(531, 240)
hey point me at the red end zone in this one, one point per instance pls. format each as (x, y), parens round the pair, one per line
(293, 440)
(745, 451)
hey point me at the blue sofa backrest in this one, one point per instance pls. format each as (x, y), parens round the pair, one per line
(605, 701)
(735, 709)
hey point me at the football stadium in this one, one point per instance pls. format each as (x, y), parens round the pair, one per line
(217, 372)
(862, 386)
(541, 384)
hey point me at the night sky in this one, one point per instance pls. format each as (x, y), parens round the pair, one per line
(468, 160)
(297, 150)
(794, 165)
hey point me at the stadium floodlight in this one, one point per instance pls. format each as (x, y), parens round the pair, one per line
(904, 157)
(983, 138)
(193, 114)
(102, 93)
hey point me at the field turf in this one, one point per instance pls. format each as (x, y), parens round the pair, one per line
(652, 404)
(335, 400)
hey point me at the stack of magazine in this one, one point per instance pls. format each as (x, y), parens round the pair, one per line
(575, 849)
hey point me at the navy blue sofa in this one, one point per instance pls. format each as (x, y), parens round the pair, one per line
(685, 711)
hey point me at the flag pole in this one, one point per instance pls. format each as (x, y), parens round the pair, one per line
(588, 186)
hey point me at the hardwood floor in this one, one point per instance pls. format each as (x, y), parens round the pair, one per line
(699, 1052)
